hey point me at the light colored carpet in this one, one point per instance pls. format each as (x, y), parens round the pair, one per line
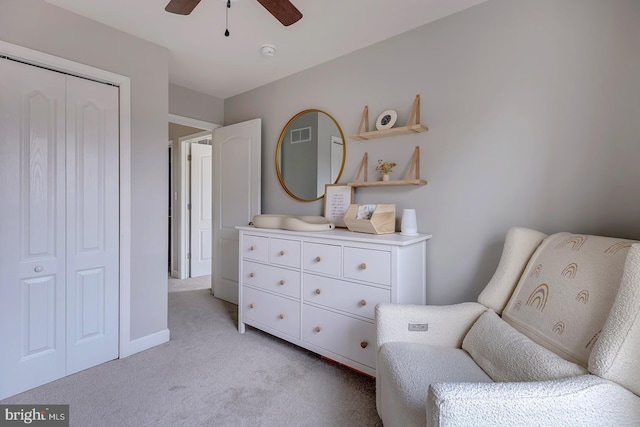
(211, 375)
(190, 284)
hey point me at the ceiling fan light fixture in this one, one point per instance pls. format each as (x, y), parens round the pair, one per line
(268, 50)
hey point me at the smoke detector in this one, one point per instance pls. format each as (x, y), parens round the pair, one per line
(268, 50)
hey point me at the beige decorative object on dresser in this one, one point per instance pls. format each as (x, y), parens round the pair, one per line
(318, 290)
(378, 218)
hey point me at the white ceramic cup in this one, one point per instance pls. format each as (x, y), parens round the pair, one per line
(408, 223)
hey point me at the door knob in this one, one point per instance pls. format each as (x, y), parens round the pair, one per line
(38, 269)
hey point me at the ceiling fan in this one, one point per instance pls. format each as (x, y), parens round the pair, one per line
(282, 10)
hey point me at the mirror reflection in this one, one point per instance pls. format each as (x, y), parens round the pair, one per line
(310, 153)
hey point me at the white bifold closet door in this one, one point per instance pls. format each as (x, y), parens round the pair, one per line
(58, 225)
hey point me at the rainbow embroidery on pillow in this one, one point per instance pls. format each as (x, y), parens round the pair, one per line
(575, 242)
(570, 270)
(558, 328)
(618, 246)
(583, 296)
(593, 340)
(538, 298)
(536, 271)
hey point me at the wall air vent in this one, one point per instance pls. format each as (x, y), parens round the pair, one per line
(301, 135)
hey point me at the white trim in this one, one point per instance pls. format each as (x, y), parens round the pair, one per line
(124, 83)
(194, 123)
(149, 341)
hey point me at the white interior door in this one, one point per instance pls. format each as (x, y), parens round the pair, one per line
(59, 227)
(201, 209)
(92, 223)
(32, 256)
(236, 199)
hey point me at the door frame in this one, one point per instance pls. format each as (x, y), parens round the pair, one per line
(184, 266)
(30, 56)
(178, 220)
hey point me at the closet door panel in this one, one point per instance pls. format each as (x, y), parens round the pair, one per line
(92, 223)
(32, 226)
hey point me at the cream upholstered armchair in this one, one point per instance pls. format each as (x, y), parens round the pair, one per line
(554, 339)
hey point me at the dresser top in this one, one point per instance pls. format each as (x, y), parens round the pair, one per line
(395, 239)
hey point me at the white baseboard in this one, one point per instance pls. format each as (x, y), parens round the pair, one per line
(145, 343)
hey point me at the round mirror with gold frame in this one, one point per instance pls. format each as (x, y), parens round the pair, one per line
(310, 153)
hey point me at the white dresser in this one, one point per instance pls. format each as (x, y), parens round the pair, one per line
(318, 290)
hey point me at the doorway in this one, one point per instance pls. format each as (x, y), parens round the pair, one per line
(183, 132)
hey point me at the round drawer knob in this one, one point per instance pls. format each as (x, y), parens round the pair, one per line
(38, 268)
(318, 291)
(252, 248)
(363, 266)
(252, 306)
(281, 316)
(318, 259)
(282, 282)
(318, 329)
(363, 302)
(364, 344)
(252, 274)
(282, 253)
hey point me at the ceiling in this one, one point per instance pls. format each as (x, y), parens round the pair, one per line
(201, 58)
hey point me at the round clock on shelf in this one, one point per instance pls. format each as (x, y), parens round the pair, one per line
(386, 120)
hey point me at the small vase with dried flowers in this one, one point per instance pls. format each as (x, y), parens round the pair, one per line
(385, 168)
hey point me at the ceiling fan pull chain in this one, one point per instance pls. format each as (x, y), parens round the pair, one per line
(226, 32)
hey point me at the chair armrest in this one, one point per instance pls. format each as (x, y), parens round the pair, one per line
(576, 401)
(446, 325)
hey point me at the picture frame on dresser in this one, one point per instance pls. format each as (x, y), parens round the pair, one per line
(337, 199)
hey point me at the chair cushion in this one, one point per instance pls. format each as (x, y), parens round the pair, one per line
(409, 368)
(566, 292)
(507, 355)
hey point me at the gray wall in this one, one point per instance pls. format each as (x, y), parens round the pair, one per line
(195, 105)
(534, 116)
(301, 159)
(41, 26)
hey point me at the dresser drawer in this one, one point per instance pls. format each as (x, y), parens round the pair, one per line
(343, 335)
(271, 278)
(322, 258)
(255, 247)
(350, 297)
(285, 252)
(271, 310)
(367, 265)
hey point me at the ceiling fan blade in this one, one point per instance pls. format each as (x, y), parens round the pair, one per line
(181, 7)
(283, 10)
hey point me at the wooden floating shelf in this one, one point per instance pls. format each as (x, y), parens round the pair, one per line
(412, 178)
(413, 125)
(388, 183)
(404, 130)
